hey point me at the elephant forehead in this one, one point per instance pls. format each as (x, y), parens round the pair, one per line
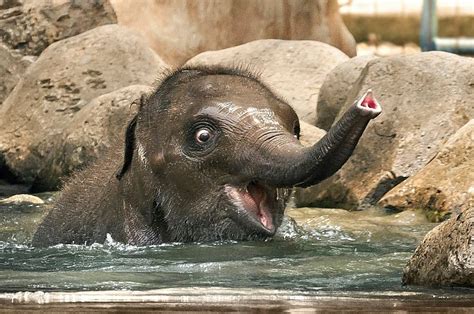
(259, 116)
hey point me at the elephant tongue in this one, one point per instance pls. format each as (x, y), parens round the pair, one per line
(256, 199)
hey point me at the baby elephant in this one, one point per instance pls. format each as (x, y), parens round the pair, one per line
(211, 155)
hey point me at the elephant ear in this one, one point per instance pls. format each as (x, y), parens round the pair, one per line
(130, 141)
(129, 148)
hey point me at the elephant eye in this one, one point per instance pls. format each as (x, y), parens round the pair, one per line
(203, 135)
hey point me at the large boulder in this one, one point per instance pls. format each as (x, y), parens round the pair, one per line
(446, 184)
(12, 67)
(333, 93)
(178, 30)
(426, 98)
(31, 26)
(294, 69)
(445, 257)
(94, 129)
(58, 86)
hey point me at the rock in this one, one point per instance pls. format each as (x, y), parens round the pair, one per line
(22, 199)
(333, 93)
(426, 98)
(7, 4)
(92, 130)
(294, 69)
(12, 67)
(178, 30)
(445, 184)
(445, 257)
(59, 85)
(34, 25)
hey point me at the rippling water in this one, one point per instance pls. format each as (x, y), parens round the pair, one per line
(320, 250)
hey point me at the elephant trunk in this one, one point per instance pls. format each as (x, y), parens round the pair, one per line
(294, 165)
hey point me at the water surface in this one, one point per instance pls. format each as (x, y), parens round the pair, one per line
(318, 251)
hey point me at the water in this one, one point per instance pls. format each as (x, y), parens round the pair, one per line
(321, 251)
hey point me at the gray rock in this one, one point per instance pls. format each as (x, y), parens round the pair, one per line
(445, 257)
(445, 185)
(22, 199)
(333, 93)
(426, 98)
(294, 69)
(12, 67)
(179, 30)
(58, 86)
(31, 26)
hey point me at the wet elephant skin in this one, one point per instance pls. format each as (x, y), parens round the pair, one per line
(211, 155)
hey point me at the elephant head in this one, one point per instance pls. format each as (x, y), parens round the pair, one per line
(216, 152)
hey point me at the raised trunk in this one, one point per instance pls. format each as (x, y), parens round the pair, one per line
(295, 165)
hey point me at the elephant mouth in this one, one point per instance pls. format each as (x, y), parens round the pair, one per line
(255, 204)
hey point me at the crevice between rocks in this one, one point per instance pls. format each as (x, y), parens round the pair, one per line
(9, 182)
(386, 183)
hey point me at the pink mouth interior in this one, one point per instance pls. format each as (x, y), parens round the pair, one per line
(369, 102)
(254, 200)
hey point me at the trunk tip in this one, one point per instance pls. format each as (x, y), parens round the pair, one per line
(368, 105)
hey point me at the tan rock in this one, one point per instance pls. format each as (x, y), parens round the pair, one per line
(12, 67)
(22, 199)
(446, 255)
(445, 184)
(58, 86)
(293, 69)
(31, 26)
(426, 98)
(178, 30)
(91, 132)
(309, 134)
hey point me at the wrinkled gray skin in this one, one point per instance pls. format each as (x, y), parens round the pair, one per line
(211, 155)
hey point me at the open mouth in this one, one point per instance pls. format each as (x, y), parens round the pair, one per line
(255, 203)
(369, 104)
